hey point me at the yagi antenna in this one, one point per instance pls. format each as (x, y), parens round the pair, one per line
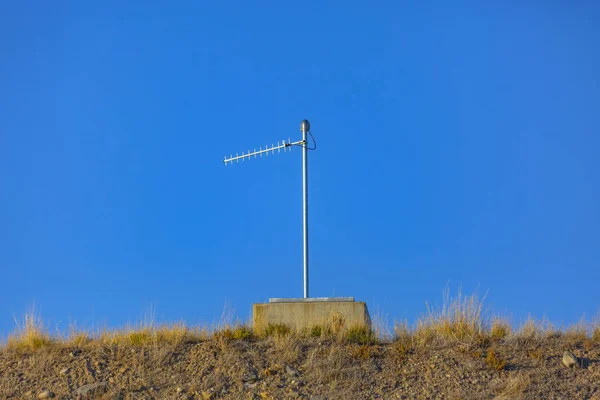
(287, 146)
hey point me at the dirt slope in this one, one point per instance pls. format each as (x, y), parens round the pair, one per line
(290, 367)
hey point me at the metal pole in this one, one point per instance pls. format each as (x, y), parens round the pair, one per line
(304, 128)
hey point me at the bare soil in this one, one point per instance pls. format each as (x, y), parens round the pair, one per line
(302, 368)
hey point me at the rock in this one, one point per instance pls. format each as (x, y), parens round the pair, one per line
(291, 371)
(92, 389)
(249, 377)
(65, 371)
(46, 394)
(569, 359)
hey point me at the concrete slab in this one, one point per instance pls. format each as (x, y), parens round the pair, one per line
(309, 300)
(299, 314)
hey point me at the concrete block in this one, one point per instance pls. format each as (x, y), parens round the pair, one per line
(300, 314)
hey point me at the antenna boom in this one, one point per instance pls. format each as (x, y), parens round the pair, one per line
(284, 145)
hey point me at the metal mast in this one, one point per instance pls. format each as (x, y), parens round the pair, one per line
(304, 127)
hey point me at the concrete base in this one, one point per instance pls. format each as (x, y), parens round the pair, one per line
(299, 314)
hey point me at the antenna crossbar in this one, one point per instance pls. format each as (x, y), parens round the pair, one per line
(283, 145)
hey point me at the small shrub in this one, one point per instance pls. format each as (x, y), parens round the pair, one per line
(361, 334)
(495, 361)
(277, 330)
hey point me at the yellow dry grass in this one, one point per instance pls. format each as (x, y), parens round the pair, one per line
(31, 334)
(500, 328)
(495, 361)
(596, 333)
(459, 319)
(515, 387)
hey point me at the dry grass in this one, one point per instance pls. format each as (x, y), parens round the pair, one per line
(577, 334)
(596, 333)
(500, 328)
(495, 361)
(515, 387)
(319, 331)
(363, 352)
(142, 335)
(534, 330)
(459, 319)
(31, 334)
(238, 332)
(403, 339)
(287, 348)
(276, 330)
(361, 334)
(331, 365)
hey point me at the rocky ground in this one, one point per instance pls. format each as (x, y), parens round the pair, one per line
(290, 367)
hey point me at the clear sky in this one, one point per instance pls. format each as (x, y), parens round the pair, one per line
(458, 143)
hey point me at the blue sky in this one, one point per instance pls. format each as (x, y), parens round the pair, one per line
(457, 145)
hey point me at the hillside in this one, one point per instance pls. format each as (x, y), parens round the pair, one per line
(234, 363)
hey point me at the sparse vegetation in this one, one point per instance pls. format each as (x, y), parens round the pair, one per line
(459, 319)
(596, 334)
(277, 330)
(363, 335)
(319, 331)
(500, 329)
(363, 352)
(495, 361)
(31, 334)
(330, 360)
(515, 387)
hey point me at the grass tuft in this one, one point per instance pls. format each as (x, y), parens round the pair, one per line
(460, 319)
(363, 352)
(277, 330)
(596, 333)
(495, 361)
(243, 332)
(30, 334)
(319, 331)
(362, 335)
(577, 334)
(500, 329)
